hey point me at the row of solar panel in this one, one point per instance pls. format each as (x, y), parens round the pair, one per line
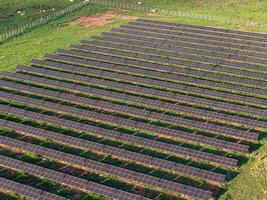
(107, 94)
(115, 96)
(146, 76)
(87, 164)
(176, 96)
(183, 47)
(27, 191)
(211, 30)
(142, 58)
(119, 109)
(184, 56)
(193, 90)
(109, 66)
(154, 84)
(160, 117)
(137, 60)
(180, 108)
(157, 33)
(129, 123)
(169, 61)
(192, 40)
(58, 177)
(133, 31)
(168, 69)
(261, 42)
(114, 151)
(148, 143)
(178, 43)
(100, 92)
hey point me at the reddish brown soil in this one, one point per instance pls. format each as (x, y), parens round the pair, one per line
(100, 19)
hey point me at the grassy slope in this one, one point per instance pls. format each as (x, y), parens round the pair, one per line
(242, 9)
(9, 18)
(48, 39)
(250, 184)
(234, 9)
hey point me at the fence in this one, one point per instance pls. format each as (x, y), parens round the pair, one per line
(191, 15)
(127, 6)
(42, 20)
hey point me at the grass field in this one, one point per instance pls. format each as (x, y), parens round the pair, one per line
(251, 183)
(15, 12)
(241, 9)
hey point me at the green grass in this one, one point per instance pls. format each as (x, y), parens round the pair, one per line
(251, 183)
(241, 9)
(9, 18)
(233, 9)
(49, 38)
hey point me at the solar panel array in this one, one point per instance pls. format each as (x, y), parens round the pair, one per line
(59, 177)
(157, 94)
(27, 191)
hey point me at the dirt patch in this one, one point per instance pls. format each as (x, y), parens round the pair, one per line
(100, 19)
(152, 14)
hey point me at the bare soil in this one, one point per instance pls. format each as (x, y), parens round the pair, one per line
(100, 19)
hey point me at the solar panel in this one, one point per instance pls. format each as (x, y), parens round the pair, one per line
(158, 74)
(165, 51)
(180, 43)
(21, 189)
(95, 165)
(213, 128)
(172, 61)
(157, 66)
(164, 34)
(202, 92)
(69, 180)
(108, 133)
(177, 96)
(195, 33)
(215, 31)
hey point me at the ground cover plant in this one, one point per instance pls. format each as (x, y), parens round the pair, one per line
(15, 13)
